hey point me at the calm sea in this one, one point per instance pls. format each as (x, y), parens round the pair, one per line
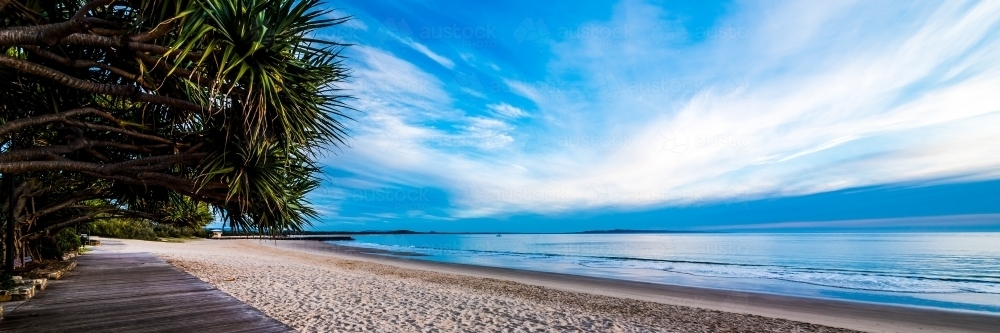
(944, 270)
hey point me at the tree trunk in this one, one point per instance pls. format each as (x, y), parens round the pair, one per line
(8, 180)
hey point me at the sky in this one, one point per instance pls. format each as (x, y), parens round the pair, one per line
(526, 116)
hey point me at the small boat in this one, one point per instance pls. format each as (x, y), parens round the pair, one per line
(498, 235)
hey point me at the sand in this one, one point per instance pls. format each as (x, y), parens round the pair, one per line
(312, 289)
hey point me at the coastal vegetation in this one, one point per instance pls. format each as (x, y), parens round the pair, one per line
(141, 229)
(154, 113)
(177, 222)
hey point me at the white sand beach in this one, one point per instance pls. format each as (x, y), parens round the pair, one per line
(316, 290)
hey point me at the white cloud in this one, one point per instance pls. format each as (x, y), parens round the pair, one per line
(830, 98)
(354, 23)
(379, 68)
(486, 133)
(524, 89)
(426, 51)
(507, 111)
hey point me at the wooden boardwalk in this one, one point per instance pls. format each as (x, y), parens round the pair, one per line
(134, 292)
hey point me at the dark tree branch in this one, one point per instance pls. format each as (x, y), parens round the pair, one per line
(93, 21)
(48, 34)
(107, 32)
(125, 146)
(66, 80)
(96, 154)
(68, 33)
(39, 152)
(102, 41)
(88, 64)
(170, 159)
(29, 166)
(18, 124)
(200, 191)
(84, 195)
(103, 169)
(34, 235)
(53, 34)
(93, 87)
(126, 132)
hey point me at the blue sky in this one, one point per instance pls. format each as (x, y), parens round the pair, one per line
(528, 116)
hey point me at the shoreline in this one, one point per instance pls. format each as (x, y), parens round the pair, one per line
(318, 287)
(407, 257)
(861, 316)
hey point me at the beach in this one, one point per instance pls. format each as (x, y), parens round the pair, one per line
(316, 287)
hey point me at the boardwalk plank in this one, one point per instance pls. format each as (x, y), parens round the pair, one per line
(134, 292)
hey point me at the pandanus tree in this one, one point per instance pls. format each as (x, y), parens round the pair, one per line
(129, 109)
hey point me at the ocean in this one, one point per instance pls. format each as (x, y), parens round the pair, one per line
(956, 271)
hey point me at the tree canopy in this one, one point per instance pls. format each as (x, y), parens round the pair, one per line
(132, 108)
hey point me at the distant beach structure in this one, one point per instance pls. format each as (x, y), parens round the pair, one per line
(216, 234)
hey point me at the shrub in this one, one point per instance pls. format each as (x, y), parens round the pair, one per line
(53, 247)
(6, 281)
(122, 228)
(142, 229)
(68, 240)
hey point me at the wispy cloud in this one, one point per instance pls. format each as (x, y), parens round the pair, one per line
(775, 99)
(352, 23)
(427, 52)
(507, 111)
